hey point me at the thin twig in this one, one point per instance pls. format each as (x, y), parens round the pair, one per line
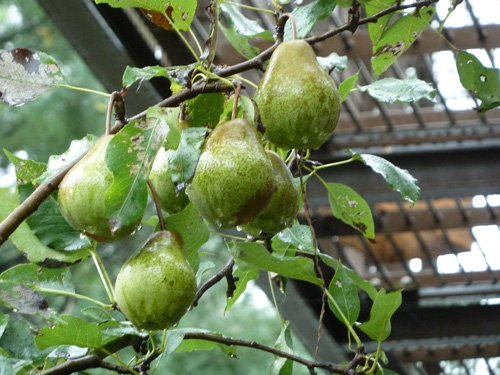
(236, 98)
(332, 367)
(373, 18)
(224, 271)
(307, 211)
(156, 200)
(109, 111)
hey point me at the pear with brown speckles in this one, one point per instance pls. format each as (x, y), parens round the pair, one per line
(233, 181)
(297, 99)
(155, 287)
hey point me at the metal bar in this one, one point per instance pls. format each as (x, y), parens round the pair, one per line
(420, 139)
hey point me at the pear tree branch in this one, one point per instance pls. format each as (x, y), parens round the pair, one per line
(225, 272)
(96, 359)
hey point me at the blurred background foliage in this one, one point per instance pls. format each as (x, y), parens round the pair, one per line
(45, 127)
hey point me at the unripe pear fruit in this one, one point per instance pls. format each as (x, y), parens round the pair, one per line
(170, 200)
(297, 99)
(233, 181)
(284, 206)
(82, 195)
(155, 287)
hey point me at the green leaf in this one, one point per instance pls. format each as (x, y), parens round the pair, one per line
(205, 109)
(483, 82)
(345, 294)
(397, 38)
(239, 30)
(298, 235)
(176, 74)
(283, 366)
(97, 313)
(53, 230)
(26, 241)
(398, 179)
(361, 283)
(378, 327)
(193, 230)
(241, 277)
(408, 90)
(306, 17)
(70, 330)
(171, 118)
(183, 161)
(19, 287)
(129, 157)
(182, 10)
(245, 26)
(376, 29)
(39, 278)
(18, 340)
(26, 74)
(57, 163)
(4, 320)
(333, 61)
(351, 208)
(347, 85)
(26, 170)
(255, 256)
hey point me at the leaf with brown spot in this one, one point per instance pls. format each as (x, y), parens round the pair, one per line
(26, 74)
(351, 208)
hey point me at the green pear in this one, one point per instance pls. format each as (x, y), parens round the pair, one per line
(284, 206)
(233, 181)
(170, 200)
(297, 99)
(155, 287)
(82, 195)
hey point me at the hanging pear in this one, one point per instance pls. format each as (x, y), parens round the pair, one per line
(170, 200)
(82, 195)
(297, 99)
(233, 181)
(155, 287)
(284, 206)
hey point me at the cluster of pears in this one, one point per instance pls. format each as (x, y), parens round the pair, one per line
(155, 286)
(236, 183)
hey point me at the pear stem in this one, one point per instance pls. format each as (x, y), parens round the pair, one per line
(237, 91)
(109, 111)
(156, 200)
(103, 274)
(293, 24)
